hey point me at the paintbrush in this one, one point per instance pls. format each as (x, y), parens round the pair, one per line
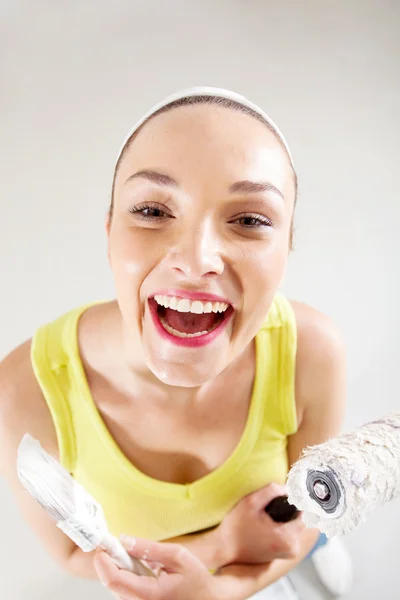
(75, 511)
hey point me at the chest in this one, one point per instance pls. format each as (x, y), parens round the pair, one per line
(176, 446)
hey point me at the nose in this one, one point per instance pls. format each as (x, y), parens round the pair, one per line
(197, 252)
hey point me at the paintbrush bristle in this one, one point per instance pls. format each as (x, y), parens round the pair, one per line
(77, 513)
(46, 480)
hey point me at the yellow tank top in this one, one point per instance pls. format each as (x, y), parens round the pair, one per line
(135, 503)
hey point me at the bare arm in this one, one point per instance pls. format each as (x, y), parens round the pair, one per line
(238, 582)
(321, 398)
(23, 409)
(207, 546)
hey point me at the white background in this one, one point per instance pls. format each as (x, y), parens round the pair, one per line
(75, 76)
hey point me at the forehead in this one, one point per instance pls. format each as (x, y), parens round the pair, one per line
(207, 140)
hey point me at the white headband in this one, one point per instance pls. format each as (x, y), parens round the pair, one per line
(209, 91)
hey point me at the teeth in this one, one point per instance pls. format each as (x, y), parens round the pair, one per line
(185, 305)
(172, 302)
(196, 307)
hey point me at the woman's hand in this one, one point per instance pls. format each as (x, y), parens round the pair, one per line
(182, 577)
(251, 536)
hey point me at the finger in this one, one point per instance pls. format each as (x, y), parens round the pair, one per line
(174, 558)
(156, 567)
(262, 497)
(285, 530)
(287, 537)
(123, 583)
(294, 527)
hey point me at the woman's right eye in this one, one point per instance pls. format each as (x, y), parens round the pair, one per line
(148, 212)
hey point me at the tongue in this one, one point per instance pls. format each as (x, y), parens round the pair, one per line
(189, 322)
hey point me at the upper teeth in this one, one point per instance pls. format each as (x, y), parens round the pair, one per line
(194, 306)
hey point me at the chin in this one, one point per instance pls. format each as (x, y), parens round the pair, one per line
(181, 375)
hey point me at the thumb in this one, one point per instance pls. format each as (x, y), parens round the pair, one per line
(262, 497)
(174, 558)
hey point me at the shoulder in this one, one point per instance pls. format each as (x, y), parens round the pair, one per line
(22, 406)
(15, 381)
(320, 362)
(318, 337)
(320, 381)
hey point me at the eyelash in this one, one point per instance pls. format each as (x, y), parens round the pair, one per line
(141, 207)
(138, 210)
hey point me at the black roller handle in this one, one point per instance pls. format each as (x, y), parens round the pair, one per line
(281, 511)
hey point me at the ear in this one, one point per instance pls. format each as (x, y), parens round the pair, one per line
(107, 224)
(291, 239)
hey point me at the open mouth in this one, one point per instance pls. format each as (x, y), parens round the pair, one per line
(184, 318)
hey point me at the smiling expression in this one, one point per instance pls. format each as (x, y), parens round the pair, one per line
(203, 205)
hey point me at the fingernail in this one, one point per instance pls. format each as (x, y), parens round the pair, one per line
(146, 554)
(128, 541)
(100, 573)
(156, 567)
(102, 579)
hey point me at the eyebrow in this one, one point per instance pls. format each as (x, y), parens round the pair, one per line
(154, 177)
(254, 187)
(244, 187)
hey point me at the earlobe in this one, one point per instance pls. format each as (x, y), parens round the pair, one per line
(107, 225)
(107, 222)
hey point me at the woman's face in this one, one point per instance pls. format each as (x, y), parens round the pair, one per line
(183, 222)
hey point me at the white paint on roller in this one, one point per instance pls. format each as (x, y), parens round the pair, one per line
(366, 462)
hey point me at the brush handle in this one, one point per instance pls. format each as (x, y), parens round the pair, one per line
(280, 510)
(121, 557)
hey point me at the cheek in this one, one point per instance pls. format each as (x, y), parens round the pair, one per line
(130, 252)
(265, 267)
(261, 275)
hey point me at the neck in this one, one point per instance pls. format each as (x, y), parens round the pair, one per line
(136, 380)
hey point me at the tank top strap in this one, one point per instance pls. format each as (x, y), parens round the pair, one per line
(50, 359)
(277, 354)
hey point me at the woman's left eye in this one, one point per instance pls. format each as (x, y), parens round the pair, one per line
(254, 221)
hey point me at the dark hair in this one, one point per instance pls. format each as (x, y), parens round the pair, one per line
(193, 100)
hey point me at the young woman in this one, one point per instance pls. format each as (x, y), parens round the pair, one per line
(181, 405)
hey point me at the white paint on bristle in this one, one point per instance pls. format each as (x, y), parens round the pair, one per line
(66, 501)
(75, 511)
(366, 462)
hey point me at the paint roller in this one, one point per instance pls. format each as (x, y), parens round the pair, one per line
(339, 483)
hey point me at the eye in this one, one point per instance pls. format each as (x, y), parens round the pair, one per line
(254, 221)
(149, 212)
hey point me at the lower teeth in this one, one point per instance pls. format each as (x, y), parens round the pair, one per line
(182, 334)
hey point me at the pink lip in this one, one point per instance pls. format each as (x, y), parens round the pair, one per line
(192, 295)
(195, 342)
